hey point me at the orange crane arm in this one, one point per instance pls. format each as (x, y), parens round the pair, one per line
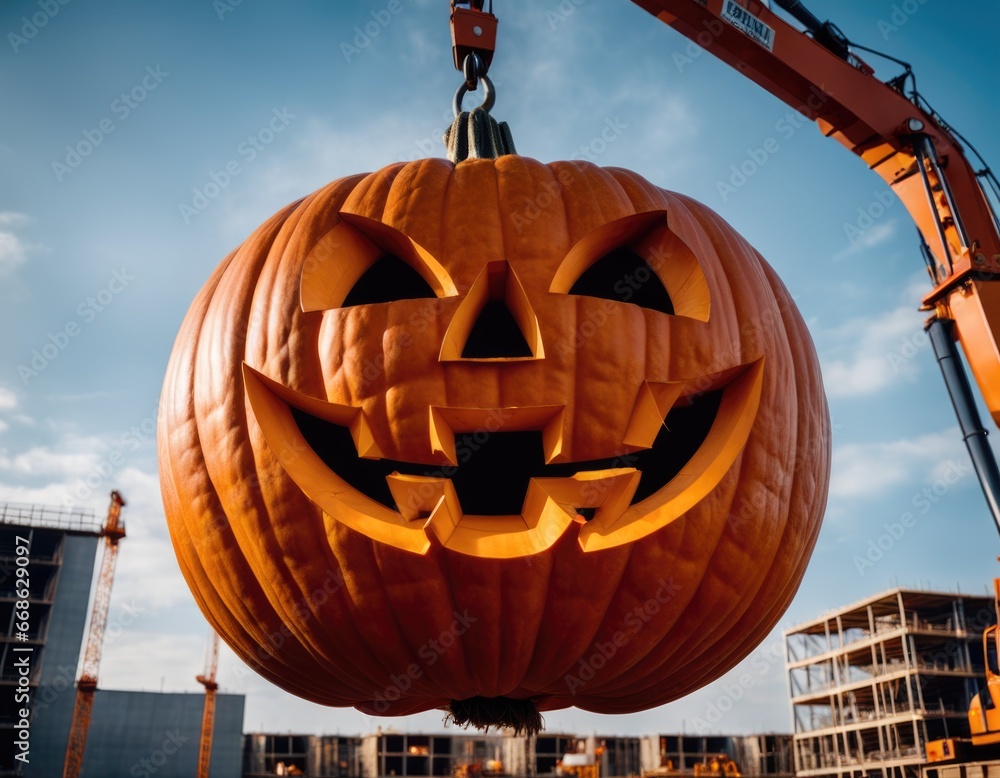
(113, 532)
(208, 715)
(912, 150)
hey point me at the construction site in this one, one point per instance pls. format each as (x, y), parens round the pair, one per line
(485, 436)
(873, 686)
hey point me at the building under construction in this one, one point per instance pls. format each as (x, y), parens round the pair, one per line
(426, 755)
(130, 733)
(872, 683)
(754, 755)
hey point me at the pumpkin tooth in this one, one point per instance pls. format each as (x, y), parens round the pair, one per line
(442, 436)
(418, 496)
(364, 438)
(445, 422)
(446, 515)
(609, 491)
(652, 404)
(714, 458)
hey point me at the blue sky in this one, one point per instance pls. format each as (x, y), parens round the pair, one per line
(101, 254)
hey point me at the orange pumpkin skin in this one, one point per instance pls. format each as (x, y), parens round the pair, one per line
(620, 614)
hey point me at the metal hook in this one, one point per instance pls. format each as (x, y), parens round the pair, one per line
(488, 101)
(473, 69)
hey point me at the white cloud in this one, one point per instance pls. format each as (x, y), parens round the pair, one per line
(864, 470)
(882, 350)
(13, 252)
(8, 400)
(147, 568)
(43, 460)
(142, 660)
(12, 219)
(871, 238)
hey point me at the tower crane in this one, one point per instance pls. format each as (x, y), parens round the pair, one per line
(208, 716)
(113, 532)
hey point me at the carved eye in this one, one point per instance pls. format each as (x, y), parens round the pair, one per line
(362, 262)
(624, 276)
(387, 280)
(639, 260)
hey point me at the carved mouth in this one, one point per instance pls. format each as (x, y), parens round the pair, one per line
(495, 468)
(500, 498)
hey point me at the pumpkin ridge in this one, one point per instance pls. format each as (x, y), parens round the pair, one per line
(553, 674)
(277, 255)
(186, 391)
(789, 588)
(681, 654)
(371, 646)
(527, 664)
(669, 656)
(445, 566)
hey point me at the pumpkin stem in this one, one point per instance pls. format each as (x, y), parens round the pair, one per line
(520, 716)
(477, 135)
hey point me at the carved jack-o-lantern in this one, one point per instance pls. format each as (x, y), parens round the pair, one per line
(497, 434)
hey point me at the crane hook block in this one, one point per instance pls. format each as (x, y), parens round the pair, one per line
(473, 31)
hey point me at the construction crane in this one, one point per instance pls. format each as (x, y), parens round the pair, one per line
(208, 716)
(113, 532)
(924, 160)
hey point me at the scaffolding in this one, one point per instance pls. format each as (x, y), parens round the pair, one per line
(872, 683)
(71, 520)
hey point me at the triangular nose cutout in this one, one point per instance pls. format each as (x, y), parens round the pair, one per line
(495, 322)
(496, 335)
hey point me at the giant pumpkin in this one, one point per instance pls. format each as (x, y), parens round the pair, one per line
(497, 437)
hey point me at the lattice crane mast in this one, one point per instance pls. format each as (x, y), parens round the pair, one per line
(113, 532)
(208, 716)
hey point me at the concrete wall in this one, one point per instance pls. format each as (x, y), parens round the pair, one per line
(142, 734)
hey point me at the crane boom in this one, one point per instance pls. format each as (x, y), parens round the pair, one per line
(208, 715)
(113, 532)
(913, 151)
(921, 159)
